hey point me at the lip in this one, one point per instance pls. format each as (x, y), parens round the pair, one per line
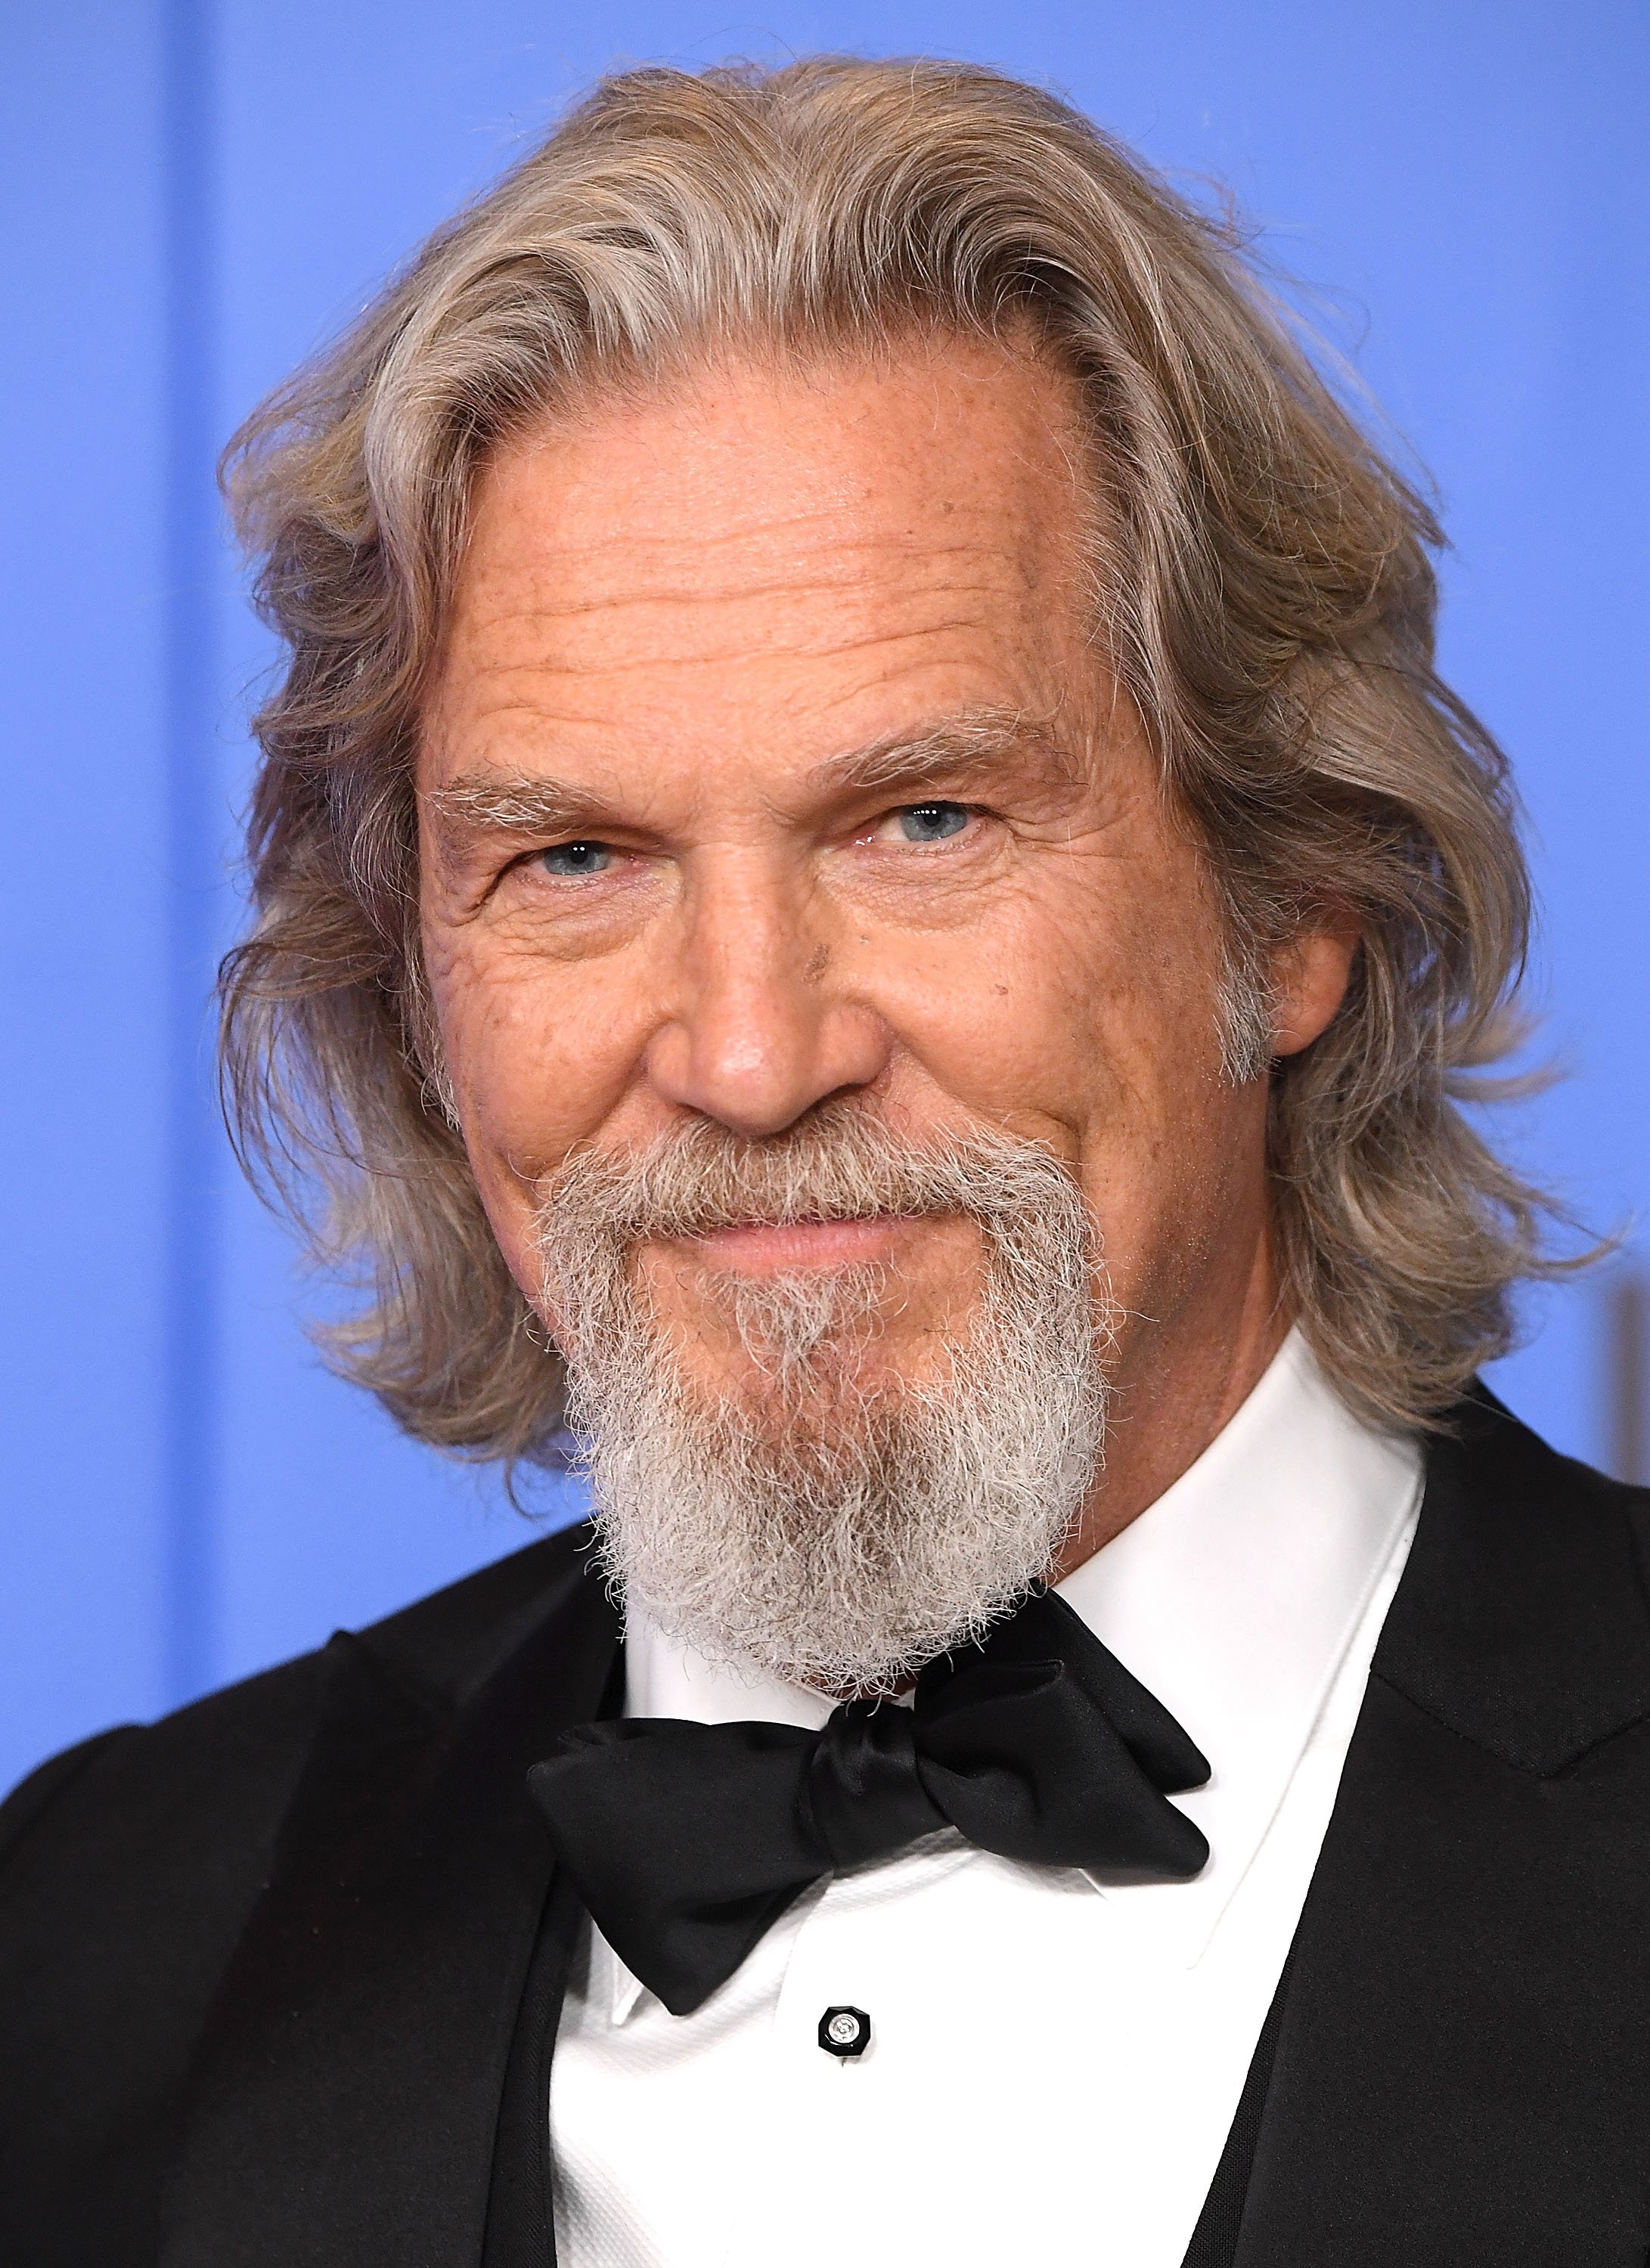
(768, 1248)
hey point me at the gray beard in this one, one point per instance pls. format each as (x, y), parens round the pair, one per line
(834, 1532)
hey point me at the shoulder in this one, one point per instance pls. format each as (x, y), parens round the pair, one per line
(1523, 1618)
(226, 1763)
(1481, 1430)
(128, 1868)
(1505, 1500)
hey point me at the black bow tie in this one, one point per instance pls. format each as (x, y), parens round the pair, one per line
(688, 1841)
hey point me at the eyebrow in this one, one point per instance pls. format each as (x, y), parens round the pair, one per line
(971, 746)
(498, 803)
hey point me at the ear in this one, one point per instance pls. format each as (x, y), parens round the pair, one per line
(1309, 982)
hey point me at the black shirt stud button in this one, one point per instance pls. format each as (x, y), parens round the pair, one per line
(845, 2031)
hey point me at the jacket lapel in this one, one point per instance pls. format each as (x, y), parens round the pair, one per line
(344, 2105)
(1462, 2067)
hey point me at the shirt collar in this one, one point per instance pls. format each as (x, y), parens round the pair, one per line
(664, 1678)
(1233, 1598)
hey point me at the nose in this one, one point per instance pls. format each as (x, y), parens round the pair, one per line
(762, 1028)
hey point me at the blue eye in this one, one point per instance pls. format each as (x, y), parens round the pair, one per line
(571, 861)
(932, 823)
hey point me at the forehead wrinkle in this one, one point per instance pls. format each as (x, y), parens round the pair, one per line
(539, 605)
(579, 668)
(820, 530)
(819, 524)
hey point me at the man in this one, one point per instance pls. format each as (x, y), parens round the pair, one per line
(868, 900)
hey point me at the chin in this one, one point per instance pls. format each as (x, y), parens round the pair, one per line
(827, 1339)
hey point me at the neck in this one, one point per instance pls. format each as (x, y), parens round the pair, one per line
(1176, 1384)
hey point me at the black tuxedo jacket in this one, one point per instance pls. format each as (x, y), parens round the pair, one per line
(279, 1975)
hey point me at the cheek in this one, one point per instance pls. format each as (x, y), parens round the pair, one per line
(505, 1046)
(1082, 1026)
(1173, 1162)
(532, 1056)
(531, 1073)
(1117, 1022)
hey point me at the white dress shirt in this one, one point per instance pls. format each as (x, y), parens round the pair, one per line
(1055, 2060)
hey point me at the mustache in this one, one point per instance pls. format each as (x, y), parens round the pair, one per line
(842, 1162)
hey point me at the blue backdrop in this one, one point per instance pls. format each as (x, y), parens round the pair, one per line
(196, 192)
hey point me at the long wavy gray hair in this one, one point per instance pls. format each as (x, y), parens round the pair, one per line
(1263, 593)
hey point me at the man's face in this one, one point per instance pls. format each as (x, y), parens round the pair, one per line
(771, 762)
